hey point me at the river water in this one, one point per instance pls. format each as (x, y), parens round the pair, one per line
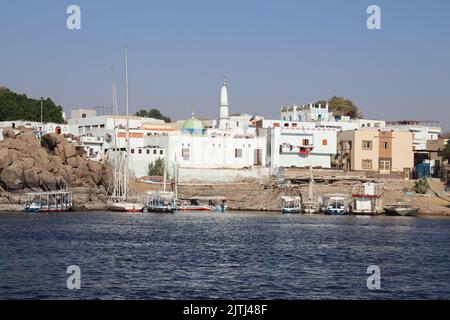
(228, 256)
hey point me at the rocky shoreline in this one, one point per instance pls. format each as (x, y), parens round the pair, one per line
(28, 164)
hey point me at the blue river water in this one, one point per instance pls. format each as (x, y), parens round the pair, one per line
(223, 256)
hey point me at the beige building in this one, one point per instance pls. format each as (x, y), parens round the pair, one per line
(382, 151)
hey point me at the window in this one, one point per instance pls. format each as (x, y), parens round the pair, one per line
(385, 145)
(367, 145)
(161, 151)
(154, 151)
(305, 142)
(83, 115)
(286, 124)
(132, 150)
(140, 151)
(324, 142)
(148, 151)
(185, 154)
(367, 164)
(238, 153)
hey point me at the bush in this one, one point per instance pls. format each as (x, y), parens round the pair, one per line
(421, 186)
(156, 168)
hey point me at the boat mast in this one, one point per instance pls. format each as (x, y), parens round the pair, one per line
(115, 162)
(127, 134)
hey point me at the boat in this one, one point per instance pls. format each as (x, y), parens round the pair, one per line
(335, 204)
(292, 205)
(47, 202)
(211, 203)
(121, 199)
(160, 202)
(367, 199)
(404, 210)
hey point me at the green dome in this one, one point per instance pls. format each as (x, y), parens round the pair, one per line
(193, 126)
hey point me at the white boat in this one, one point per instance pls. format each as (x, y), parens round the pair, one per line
(335, 204)
(292, 204)
(47, 202)
(212, 203)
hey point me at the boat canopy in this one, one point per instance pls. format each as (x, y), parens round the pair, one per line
(218, 198)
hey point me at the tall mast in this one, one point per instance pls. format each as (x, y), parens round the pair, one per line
(127, 134)
(114, 95)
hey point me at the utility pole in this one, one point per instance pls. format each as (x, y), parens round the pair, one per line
(42, 121)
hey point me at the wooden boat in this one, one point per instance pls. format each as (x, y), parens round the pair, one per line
(292, 205)
(124, 206)
(160, 202)
(47, 202)
(404, 210)
(217, 204)
(335, 204)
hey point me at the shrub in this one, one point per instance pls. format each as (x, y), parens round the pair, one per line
(421, 186)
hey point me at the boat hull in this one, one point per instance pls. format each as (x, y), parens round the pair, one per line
(291, 210)
(160, 209)
(202, 208)
(47, 210)
(125, 207)
(401, 212)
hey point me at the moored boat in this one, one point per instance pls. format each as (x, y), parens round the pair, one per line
(335, 204)
(404, 210)
(125, 206)
(160, 202)
(217, 204)
(48, 202)
(292, 205)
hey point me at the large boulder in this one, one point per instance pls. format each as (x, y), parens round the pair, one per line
(72, 162)
(95, 166)
(26, 163)
(31, 177)
(12, 177)
(29, 137)
(82, 164)
(5, 158)
(8, 132)
(50, 141)
(69, 150)
(48, 181)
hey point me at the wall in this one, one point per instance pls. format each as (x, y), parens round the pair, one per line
(402, 151)
(195, 175)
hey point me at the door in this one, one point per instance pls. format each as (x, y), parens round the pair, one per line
(257, 157)
(385, 166)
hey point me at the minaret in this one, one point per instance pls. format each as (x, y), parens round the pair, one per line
(224, 106)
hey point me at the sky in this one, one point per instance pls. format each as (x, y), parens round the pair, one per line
(273, 53)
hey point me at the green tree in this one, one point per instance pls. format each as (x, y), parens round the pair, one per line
(152, 113)
(343, 106)
(446, 151)
(156, 168)
(14, 106)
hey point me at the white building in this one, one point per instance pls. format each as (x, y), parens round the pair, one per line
(421, 130)
(320, 115)
(300, 146)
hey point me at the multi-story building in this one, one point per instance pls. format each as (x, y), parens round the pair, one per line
(382, 151)
(422, 131)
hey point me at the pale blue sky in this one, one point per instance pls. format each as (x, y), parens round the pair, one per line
(273, 53)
